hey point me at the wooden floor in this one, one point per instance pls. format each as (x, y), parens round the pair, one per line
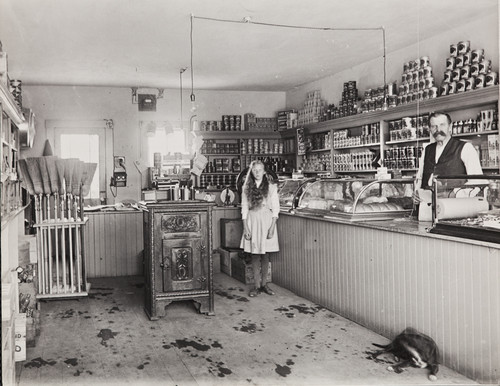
(106, 339)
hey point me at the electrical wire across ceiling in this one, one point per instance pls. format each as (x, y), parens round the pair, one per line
(248, 20)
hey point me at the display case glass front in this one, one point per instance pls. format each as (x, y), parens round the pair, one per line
(358, 199)
(290, 191)
(467, 206)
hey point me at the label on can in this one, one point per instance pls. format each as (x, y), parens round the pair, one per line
(461, 85)
(463, 47)
(491, 79)
(451, 62)
(453, 50)
(477, 55)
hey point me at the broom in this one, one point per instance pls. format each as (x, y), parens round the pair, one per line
(88, 176)
(60, 166)
(36, 178)
(50, 162)
(68, 175)
(76, 184)
(25, 176)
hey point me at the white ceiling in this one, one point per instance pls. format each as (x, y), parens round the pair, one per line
(132, 43)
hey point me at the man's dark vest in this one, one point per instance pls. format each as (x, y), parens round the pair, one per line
(449, 163)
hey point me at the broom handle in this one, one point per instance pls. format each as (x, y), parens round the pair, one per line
(57, 259)
(71, 258)
(78, 230)
(39, 245)
(49, 243)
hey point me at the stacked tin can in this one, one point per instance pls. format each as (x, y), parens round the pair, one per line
(376, 98)
(353, 161)
(15, 90)
(466, 69)
(313, 110)
(349, 102)
(417, 81)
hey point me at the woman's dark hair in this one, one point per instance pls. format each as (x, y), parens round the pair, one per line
(255, 195)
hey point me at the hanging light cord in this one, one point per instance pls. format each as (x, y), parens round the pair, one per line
(248, 21)
(193, 98)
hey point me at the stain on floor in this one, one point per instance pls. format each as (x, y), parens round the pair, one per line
(269, 340)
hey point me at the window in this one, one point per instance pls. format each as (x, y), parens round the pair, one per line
(85, 147)
(89, 141)
(165, 141)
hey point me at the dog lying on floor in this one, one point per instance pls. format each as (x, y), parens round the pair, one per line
(412, 348)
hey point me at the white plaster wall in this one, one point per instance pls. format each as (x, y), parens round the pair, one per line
(95, 103)
(481, 33)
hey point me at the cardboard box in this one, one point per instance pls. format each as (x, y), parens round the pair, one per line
(225, 258)
(231, 230)
(20, 338)
(242, 271)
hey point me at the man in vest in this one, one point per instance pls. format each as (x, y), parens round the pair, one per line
(446, 156)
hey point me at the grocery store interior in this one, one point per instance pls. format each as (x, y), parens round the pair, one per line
(128, 129)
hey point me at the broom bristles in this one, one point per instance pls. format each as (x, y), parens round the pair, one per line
(52, 170)
(25, 176)
(68, 173)
(34, 173)
(76, 180)
(44, 174)
(87, 178)
(60, 165)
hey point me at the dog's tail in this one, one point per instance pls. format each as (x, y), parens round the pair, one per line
(380, 345)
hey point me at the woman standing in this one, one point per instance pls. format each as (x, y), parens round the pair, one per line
(259, 210)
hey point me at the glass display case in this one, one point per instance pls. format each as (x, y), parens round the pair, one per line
(290, 191)
(468, 208)
(358, 199)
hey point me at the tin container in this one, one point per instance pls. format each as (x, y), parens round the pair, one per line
(406, 67)
(453, 88)
(451, 62)
(480, 81)
(444, 90)
(406, 88)
(399, 100)
(455, 75)
(491, 79)
(461, 85)
(459, 62)
(420, 95)
(474, 69)
(468, 58)
(453, 50)
(448, 76)
(484, 66)
(429, 82)
(465, 72)
(424, 61)
(425, 93)
(392, 89)
(470, 84)
(421, 73)
(477, 55)
(463, 47)
(427, 71)
(421, 84)
(433, 92)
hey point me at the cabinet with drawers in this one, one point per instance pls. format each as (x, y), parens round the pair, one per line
(178, 255)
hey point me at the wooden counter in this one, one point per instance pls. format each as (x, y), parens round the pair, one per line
(389, 275)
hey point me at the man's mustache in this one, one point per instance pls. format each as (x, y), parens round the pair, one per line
(441, 133)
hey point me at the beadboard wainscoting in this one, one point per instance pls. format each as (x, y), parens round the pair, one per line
(114, 244)
(445, 287)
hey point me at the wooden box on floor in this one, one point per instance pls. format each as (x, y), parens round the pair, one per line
(226, 254)
(231, 230)
(242, 271)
